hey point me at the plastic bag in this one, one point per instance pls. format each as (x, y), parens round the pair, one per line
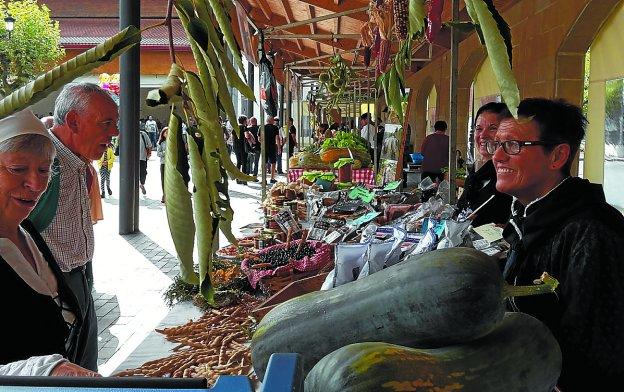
(350, 259)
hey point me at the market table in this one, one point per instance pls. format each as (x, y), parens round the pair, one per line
(363, 176)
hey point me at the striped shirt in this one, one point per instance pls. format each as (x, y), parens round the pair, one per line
(70, 234)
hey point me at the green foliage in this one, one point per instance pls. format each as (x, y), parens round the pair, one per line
(345, 140)
(33, 47)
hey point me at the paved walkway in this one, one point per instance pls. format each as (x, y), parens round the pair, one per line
(132, 272)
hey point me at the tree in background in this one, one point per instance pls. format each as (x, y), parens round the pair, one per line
(33, 47)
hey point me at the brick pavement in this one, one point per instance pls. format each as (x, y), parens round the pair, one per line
(131, 272)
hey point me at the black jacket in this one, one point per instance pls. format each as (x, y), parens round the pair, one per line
(32, 323)
(478, 188)
(575, 236)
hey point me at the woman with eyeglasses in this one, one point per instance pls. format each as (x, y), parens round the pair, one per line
(480, 185)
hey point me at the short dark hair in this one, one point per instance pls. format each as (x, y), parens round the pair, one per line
(440, 126)
(324, 126)
(500, 109)
(365, 116)
(558, 121)
(242, 119)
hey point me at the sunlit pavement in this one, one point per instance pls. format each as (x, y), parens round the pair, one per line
(132, 272)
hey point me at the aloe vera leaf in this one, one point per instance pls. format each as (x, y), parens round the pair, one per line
(179, 207)
(204, 220)
(416, 12)
(62, 74)
(226, 28)
(497, 53)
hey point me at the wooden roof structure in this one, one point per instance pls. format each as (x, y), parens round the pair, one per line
(309, 32)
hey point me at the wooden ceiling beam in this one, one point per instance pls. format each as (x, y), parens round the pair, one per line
(331, 6)
(311, 12)
(289, 17)
(265, 8)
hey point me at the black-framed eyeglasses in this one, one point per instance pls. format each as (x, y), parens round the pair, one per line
(513, 147)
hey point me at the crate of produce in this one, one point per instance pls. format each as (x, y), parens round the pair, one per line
(279, 265)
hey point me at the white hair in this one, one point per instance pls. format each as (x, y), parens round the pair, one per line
(77, 97)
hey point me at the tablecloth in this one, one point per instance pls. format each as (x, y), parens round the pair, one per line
(360, 176)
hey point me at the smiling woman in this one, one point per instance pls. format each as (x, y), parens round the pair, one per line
(30, 279)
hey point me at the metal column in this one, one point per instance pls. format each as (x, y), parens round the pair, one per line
(129, 97)
(287, 115)
(453, 102)
(251, 81)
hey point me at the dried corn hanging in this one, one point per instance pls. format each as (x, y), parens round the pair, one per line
(400, 18)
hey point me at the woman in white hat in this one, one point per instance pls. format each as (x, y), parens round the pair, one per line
(38, 332)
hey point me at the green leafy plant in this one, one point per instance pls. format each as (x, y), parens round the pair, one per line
(33, 47)
(345, 140)
(336, 79)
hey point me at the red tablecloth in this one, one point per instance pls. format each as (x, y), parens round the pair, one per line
(360, 176)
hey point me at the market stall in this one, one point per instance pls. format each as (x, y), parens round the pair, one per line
(404, 268)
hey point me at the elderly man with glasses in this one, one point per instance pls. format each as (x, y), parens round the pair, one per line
(562, 225)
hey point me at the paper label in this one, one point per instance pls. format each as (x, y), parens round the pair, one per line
(391, 186)
(365, 218)
(490, 232)
(362, 194)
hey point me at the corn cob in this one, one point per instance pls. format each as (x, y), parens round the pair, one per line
(376, 43)
(384, 55)
(400, 19)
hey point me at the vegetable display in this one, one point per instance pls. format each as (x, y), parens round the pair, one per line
(345, 140)
(208, 347)
(521, 354)
(204, 94)
(437, 299)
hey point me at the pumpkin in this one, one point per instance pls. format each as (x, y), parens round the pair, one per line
(436, 299)
(521, 354)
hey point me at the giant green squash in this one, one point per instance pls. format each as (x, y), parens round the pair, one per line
(521, 354)
(440, 298)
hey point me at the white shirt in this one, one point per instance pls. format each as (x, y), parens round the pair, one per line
(368, 133)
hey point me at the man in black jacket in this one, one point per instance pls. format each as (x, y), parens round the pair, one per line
(563, 225)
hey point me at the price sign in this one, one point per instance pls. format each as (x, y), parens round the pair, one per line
(392, 186)
(361, 193)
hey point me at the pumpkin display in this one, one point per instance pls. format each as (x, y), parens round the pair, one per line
(331, 155)
(520, 354)
(431, 300)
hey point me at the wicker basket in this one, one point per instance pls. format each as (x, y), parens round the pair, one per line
(273, 284)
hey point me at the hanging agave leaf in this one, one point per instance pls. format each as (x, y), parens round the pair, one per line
(497, 52)
(179, 206)
(69, 70)
(170, 88)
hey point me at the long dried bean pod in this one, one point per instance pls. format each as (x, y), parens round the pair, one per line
(179, 207)
(226, 28)
(497, 52)
(240, 83)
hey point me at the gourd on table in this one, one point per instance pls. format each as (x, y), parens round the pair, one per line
(521, 354)
(437, 299)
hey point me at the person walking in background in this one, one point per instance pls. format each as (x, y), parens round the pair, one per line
(85, 121)
(151, 127)
(435, 150)
(239, 147)
(367, 131)
(292, 134)
(254, 131)
(106, 162)
(271, 142)
(145, 151)
(280, 145)
(161, 148)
